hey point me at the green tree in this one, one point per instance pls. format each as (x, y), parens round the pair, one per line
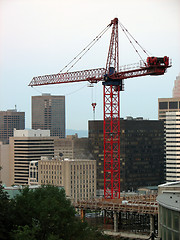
(5, 215)
(46, 211)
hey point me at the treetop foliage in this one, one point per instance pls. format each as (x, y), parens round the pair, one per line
(44, 214)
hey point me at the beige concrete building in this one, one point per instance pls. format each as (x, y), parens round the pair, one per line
(167, 105)
(172, 146)
(27, 146)
(78, 177)
(4, 164)
(33, 173)
(72, 147)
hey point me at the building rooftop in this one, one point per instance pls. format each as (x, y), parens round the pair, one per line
(170, 185)
(169, 196)
(31, 133)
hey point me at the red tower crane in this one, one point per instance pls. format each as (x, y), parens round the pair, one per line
(112, 79)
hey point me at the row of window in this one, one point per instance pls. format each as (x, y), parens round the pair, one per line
(50, 166)
(52, 172)
(169, 105)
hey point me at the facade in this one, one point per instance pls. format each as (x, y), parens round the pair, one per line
(33, 173)
(141, 152)
(78, 177)
(48, 112)
(176, 89)
(9, 120)
(27, 146)
(72, 147)
(169, 211)
(167, 105)
(172, 144)
(96, 141)
(4, 164)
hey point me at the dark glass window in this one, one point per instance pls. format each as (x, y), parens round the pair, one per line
(173, 105)
(163, 105)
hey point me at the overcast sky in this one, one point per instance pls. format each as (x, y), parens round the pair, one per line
(39, 37)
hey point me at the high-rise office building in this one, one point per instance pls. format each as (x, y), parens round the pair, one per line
(176, 89)
(9, 120)
(141, 152)
(27, 146)
(48, 112)
(78, 177)
(169, 111)
(172, 140)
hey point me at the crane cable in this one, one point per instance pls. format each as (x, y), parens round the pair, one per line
(127, 33)
(85, 50)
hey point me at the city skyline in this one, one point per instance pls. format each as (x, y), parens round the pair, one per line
(41, 37)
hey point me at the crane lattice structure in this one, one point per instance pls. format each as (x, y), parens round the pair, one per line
(112, 79)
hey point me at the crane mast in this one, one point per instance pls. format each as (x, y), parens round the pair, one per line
(112, 79)
(111, 90)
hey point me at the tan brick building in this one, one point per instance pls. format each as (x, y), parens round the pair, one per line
(78, 177)
(72, 147)
(4, 164)
(167, 105)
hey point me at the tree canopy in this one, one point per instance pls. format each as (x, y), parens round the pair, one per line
(5, 214)
(44, 214)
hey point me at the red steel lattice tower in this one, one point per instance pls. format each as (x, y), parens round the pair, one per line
(111, 95)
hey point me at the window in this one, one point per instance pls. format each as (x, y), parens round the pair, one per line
(173, 105)
(163, 105)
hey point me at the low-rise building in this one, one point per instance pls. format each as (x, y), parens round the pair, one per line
(78, 177)
(169, 211)
(33, 173)
(72, 147)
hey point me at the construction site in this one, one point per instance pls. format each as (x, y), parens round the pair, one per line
(129, 214)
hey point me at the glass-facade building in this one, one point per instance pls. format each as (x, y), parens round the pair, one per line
(141, 152)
